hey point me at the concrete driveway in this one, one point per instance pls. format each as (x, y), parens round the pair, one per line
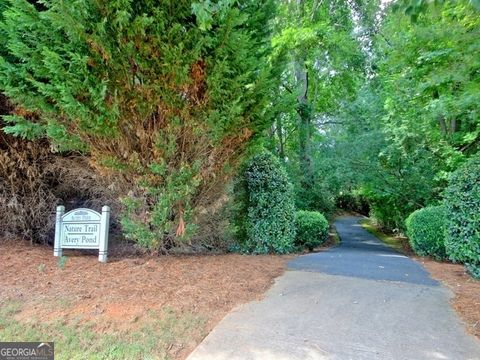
(360, 300)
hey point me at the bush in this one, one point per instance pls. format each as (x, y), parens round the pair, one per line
(426, 231)
(265, 209)
(388, 212)
(462, 203)
(346, 201)
(166, 95)
(33, 181)
(363, 205)
(312, 229)
(316, 198)
(351, 201)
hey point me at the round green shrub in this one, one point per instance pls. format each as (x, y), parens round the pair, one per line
(426, 231)
(265, 219)
(462, 204)
(312, 229)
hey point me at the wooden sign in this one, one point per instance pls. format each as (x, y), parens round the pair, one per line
(82, 229)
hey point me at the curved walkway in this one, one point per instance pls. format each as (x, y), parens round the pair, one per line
(361, 255)
(360, 300)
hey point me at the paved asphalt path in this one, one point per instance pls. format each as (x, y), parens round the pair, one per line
(358, 301)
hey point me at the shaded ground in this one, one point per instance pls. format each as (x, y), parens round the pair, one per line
(361, 255)
(125, 294)
(360, 300)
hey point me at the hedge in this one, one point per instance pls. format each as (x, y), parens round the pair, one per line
(462, 203)
(265, 209)
(312, 229)
(426, 231)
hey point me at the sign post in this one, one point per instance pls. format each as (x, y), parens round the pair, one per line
(57, 249)
(104, 222)
(82, 229)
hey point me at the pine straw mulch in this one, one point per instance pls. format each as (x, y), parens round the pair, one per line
(119, 294)
(466, 290)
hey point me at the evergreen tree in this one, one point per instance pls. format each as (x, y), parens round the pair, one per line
(168, 94)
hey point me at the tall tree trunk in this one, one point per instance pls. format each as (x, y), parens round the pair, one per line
(443, 126)
(453, 126)
(304, 125)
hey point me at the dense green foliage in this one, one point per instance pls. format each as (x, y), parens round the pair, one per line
(414, 8)
(391, 118)
(319, 62)
(265, 209)
(166, 94)
(415, 118)
(426, 231)
(462, 202)
(354, 202)
(365, 109)
(312, 229)
(430, 117)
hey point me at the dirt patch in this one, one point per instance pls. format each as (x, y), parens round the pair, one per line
(466, 289)
(119, 295)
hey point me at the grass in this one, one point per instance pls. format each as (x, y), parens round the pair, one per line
(332, 240)
(333, 236)
(398, 243)
(153, 340)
